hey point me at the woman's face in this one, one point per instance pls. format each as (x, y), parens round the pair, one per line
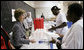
(22, 17)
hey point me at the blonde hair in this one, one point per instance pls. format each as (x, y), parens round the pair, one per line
(18, 12)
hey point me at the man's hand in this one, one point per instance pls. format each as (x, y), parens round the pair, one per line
(53, 28)
(52, 41)
(61, 35)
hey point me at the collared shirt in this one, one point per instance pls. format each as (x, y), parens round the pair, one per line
(73, 39)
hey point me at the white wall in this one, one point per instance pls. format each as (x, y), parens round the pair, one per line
(67, 3)
(45, 7)
(46, 10)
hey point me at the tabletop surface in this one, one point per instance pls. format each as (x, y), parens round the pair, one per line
(41, 45)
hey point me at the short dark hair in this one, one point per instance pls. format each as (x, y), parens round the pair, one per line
(55, 8)
(76, 9)
(18, 12)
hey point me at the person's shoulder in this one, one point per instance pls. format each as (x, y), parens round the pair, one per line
(16, 24)
(78, 24)
(61, 15)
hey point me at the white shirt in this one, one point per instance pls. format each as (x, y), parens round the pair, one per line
(27, 22)
(73, 39)
(29, 19)
(59, 20)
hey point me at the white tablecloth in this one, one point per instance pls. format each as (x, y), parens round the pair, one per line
(38, 36)
(38, 46)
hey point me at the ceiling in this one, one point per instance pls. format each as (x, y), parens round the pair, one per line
(42, 4)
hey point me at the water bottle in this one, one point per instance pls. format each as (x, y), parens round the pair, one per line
(43, 42)
(51, 45)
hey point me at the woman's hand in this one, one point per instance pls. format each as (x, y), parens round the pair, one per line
(32, 41)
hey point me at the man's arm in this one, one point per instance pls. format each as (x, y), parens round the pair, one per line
(51, 19)
(60, 26)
